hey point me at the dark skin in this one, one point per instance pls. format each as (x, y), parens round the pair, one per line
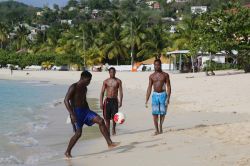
(157, 80)
(76, 96)
(112, 86)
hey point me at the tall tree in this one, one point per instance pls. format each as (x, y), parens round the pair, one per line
(134, 34)
(156, 43)
(22, 37)
(3, 34)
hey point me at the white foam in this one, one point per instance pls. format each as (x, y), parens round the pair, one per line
(31, 160)
(43, 85)
(35, 127)
(31, 82)
(24, 141)
(10, 160)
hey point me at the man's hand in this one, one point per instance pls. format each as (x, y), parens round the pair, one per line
(120, 104)
(101, 106)
(146, 104)
(73, 118)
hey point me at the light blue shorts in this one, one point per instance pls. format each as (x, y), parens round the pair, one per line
(159, 103)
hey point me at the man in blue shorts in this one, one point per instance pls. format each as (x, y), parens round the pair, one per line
(161, 95)
(77, 105)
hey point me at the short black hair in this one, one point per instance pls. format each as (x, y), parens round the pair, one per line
(86, 74)
(112, 68)
(158, 60)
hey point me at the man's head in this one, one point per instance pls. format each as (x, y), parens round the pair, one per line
(85, 77)
(157, 65)
(112, 72)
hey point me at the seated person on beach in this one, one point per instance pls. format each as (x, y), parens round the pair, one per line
(161, 95)
(77, 105)
(111, 103)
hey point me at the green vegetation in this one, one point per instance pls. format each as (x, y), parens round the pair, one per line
(90, 32)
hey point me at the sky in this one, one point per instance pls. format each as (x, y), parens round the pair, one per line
(41, 3)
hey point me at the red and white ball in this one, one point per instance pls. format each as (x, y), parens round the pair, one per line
(119, 118)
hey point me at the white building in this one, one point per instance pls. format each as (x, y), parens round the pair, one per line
(69, 22)
(180, 1)
(72, 8)
(198, 9)
(39, 13)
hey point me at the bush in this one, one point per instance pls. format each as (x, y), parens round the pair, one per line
(247, 68)
(26, 59)
(218, 66)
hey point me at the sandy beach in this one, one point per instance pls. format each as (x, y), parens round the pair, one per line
(207, 122)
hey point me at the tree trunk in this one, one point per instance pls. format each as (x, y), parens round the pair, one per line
(169, 63)
(192, 60)
(180, 62)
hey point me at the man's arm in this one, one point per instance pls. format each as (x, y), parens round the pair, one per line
(67, 103)
(102, 94)
(168, 87)
(149, 89)
(120, 93)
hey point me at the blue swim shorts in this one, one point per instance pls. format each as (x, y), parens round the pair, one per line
(159, 103)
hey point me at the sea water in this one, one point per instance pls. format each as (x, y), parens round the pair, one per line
(21, 107)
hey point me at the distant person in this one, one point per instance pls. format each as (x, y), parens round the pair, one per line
(161, 95)
(77, 105)
(111, 103)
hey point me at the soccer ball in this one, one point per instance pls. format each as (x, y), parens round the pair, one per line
(119, 118)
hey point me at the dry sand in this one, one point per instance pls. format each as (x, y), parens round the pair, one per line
(207, 121)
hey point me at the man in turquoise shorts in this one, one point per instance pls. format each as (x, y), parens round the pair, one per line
(161, 95)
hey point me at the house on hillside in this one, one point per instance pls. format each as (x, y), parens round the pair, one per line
(69, 22)
(198, 9)
(153, 4)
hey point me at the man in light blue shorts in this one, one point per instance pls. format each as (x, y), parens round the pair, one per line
(161, 96)
(159, 105)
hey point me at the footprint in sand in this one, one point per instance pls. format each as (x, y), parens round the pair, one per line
(244, 162)
(152, 146)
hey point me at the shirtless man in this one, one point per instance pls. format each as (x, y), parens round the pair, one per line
(161, 95)
(110, 106)
(80, 114)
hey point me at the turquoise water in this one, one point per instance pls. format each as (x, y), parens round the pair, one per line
(19, 101)
(21, 112)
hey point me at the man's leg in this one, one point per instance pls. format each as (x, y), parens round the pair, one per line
(155, 117)
(113, 129)
(107, 115)
(104, 131)
(107, 122)
(72, 142)
(162, 117)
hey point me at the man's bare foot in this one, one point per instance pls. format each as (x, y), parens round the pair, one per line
(68, 155)
(113, 132)
(114, 144)
(156, 133)
(160, 132)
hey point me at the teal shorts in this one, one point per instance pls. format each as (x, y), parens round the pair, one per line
(159, 103)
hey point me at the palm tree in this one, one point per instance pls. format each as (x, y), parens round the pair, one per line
(134, 35)
(184, 37)
(93, 56)
(114, 46)
(3, 34)
(22, 33)
(111, 42)
(157, 42)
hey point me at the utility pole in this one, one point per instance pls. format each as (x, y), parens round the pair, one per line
(84, 48)
(132, 44)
